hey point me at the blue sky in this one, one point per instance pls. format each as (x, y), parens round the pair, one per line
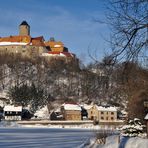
(70, 21)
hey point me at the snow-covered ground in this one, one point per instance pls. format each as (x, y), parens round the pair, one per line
(113, 142)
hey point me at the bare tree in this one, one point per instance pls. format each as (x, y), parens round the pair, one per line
(129, 24)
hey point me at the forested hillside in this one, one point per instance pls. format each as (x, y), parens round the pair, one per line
(55, 80)
(36, 82)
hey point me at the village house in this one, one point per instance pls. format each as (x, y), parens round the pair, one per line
(12, 112)
(90, 111)
(100, 113)
(71, 111)
(106, 114)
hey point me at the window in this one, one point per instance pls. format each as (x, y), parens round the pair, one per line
(112, 118)
(106, 118)
(102, 112)
(107, 113)
(112, 113)
(102, 118)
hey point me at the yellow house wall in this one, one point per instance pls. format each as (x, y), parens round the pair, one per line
(107, 116)
(72, 115)
(57, 49)
(92, 113)
(95, 114)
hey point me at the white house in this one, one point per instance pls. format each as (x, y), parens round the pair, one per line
(12, 112)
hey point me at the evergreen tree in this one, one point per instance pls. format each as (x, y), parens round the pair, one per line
(29, 95)
(133, 129)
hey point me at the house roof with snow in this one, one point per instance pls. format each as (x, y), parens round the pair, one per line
(71, 107)
(13, 108)
(146, 117)
(109, 109)
(87, 107)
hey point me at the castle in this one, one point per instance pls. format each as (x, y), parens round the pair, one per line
(27, 46)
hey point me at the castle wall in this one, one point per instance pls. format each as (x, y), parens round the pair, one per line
(24, 50)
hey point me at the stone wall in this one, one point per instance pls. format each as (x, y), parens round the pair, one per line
(23, 50)
(24, 30)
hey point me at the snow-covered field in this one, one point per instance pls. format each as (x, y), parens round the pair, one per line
(57, 136)
(42, 137)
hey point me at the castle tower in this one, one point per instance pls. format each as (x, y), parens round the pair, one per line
(24, 28)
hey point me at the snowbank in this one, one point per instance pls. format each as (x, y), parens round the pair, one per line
(113, 142)
(134, 142)
(8, 124)
(43, 113)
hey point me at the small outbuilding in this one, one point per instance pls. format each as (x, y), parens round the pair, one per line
(12, 112)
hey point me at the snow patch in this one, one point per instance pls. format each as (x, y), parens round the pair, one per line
(111, 109)
(12, 108)
(71, 107)
(12, 43)
(43, 113)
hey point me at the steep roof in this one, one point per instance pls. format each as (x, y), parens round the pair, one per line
(24, 23)
(15, 40)
(38, 41)
(22, 40)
